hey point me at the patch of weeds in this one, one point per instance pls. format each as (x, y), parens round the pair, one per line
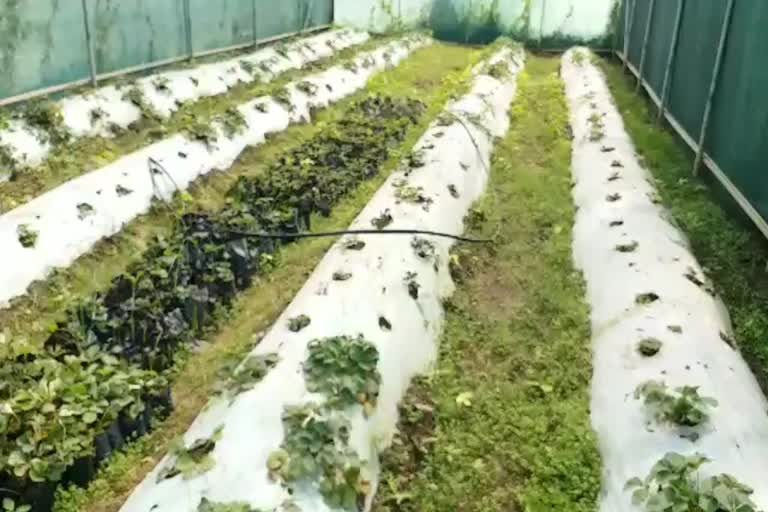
(193, 460)
(261, 107)
(27, 236)
(8, 166)
(424, 248)
(316, 448)
(283, 97)
(211, 506)
(629, 247)
(382, 220)
(445, 119)
(46, 116)
(475, 218)
(249, 68)
(597, 128)
(298, 323)
(499, 71)
(649, 347)
(307, 88)
(675, 483)
(203, 132)
(136, 96)
(643, 299)
(579, 57)
(246, 375)
(345, 370)
(412, 285)
(232, 121)
(351, 66)
(411, 194)
(684, 406)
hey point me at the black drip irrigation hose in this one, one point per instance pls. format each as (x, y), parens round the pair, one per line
(236, 235)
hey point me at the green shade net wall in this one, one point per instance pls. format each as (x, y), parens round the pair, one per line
(737, 136)
(42, 42)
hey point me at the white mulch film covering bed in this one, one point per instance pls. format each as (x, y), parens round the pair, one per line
(73, 217)
(29, 148)
(736, 436)
(252, 424)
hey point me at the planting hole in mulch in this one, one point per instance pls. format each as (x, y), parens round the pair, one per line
(644, 299)
(630, 247)
(649, 347)
(384, 324)
(612, 198)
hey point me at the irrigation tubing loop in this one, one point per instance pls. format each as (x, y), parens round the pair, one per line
(156, 167)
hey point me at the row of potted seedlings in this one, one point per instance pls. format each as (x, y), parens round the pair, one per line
(100, 377)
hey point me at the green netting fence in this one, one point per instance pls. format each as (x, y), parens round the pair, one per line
(735, 129)
(44, 46)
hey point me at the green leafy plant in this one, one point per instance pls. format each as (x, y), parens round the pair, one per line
(232, 121)
(246, 375)
(675, 485)
(46, 116)
(684, 406)
(345, 370)
(212, 506)
(283, 97)
(382, 220)
(191, 461)
(10, 505)
(27, 236)
(316, 448)
(307, 88)
(298, 323)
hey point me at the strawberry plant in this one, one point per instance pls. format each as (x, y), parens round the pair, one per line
(316, 448)
(674, 484)
(345, 370)
(684, 407)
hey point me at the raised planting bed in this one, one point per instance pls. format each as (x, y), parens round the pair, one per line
(168, 299)
(669, 381)
(56, 228)
(173, 293)
(30, 133)
(307, 436)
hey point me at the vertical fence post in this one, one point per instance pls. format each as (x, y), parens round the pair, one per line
(253, 23)
(188, 28)
(713, 85)
(670, 61)
(89, 44)
(645, 45)
(628, 32)
(541, 23)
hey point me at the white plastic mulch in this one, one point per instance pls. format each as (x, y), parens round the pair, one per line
(457, 162)
(93, 114)
(70, 219)
(628, 247)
